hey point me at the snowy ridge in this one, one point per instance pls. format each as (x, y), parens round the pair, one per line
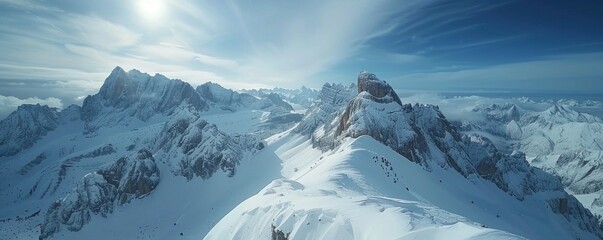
(364, 190)
(423, 135)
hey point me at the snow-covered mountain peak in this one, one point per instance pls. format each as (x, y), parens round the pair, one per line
(380, 90)
(22, 128)
(571, 115)
(502, 112)
(140, 95)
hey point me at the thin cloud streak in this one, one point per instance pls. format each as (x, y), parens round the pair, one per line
(241, 44)
(572, 73)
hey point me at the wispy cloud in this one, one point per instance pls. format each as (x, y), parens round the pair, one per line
(29, 5)
(241, 44)
(179, 53)
(98, 32)
(574, 72)
(313, 37)
(9, 104)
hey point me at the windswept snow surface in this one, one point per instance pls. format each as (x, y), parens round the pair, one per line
(365, 190)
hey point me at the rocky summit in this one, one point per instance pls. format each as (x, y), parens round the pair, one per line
(380, 90)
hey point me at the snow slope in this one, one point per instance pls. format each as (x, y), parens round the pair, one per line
(451, 175)
(365, 190)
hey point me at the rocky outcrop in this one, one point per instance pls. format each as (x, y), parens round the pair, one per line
(24, 127)
(133, 176)
(197, 148)
(128, 178)
(93, 195)
(380, 90)
(277, 234)
(510, 172)
(421, 133)
(318, 120)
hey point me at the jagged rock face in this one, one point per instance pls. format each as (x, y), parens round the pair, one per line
(129, 177)
(378, 89)
(511, 173)
(197, 148)
(420, 133)
(589, 164)
(134, 177)
(140, 95)
(22, 128)
(92, 196)
(318, 120)
(215, 93)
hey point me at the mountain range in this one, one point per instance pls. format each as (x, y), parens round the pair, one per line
(149, 157)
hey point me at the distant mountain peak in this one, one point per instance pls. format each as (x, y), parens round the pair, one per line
(141, 95)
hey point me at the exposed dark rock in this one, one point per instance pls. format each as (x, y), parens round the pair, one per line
(129, 177)
(199, 148)
(133, 176)
(277, 234)
(379, 89)
(36, 161)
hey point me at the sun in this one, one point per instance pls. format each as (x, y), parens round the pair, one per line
(151, 10)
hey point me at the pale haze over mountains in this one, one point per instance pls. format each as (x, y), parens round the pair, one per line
(155, 119)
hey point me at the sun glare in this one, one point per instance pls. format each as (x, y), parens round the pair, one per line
(151, 10)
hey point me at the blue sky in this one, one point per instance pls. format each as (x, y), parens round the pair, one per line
(59, 51)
